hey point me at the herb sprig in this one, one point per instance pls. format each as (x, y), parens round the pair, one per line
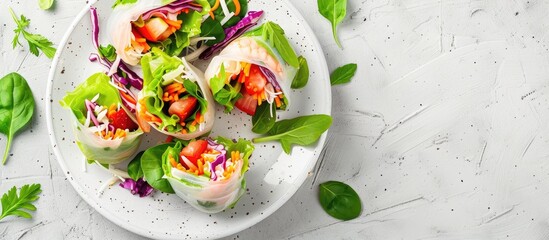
(36, 41)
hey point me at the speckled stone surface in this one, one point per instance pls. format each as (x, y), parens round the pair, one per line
(443, 132)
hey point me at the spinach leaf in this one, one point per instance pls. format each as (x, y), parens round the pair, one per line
(219, 15)
(334, 11)
(343, 74)
(264, 118)
(134, 167)
(303, 131)
(45, 4)
(108, 52)
(339, 200)
(151, 163)
(212, 28)
(302, 76)
(16, 106)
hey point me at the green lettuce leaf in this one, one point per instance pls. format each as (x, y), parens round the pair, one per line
(96, 83)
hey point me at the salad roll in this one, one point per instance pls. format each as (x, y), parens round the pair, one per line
(175, 99)
(137, 26)
(254, 69)
(208, 174)
(105, 131)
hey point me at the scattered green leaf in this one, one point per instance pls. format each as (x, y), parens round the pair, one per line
(264, 118)
(302, 76)
(134, 167)
(36, 41)
(45, 4)
(334, 11)
(343, 74)
(304, 130)
(339, 200)
(16, 106)
(12, 204)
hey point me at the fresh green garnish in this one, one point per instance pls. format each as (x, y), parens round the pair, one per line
(12, 204)
(334, 11)
(16, 107)
(339, 200)
(108, 52)
(343, 74)
(264, 118)
(302, 76)
(36, 41)
(45, 4)
(302, 131)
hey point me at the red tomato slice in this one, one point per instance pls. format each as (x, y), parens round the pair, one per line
(183, 107)
(246, 104)
(256, 81)
(121, 120)
(194, 150)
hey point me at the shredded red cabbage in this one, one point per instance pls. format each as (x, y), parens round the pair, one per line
(220, 159)
(132, 78)
(90, 106)
(233, 33)
(271, 78)
(174, 7)
(140, 187)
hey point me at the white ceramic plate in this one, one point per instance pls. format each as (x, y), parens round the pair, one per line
(273, 176)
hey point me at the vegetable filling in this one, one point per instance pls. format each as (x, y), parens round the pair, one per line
(108, 122)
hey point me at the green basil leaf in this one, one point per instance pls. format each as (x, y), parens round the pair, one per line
(45, 4)
(16, 107)
(334, 11)
(302, 76)
(151, 164)
(339, 200)
(212, 28)
(302, 131)
(264, 118)
(343, 74)
(134, 167)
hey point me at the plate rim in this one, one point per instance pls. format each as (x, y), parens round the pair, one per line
(144, 232)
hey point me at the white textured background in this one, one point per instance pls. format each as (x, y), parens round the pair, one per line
(443, 131)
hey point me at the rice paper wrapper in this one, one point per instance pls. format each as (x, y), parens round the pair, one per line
(105, 151)
(202, 192)
(197, 77)
(205, 195)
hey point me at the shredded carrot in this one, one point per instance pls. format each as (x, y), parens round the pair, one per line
(259, 100)
(246, 69)
(212, 15)
(172, 161)
(172, 23)
(111, 111)
(216, 5)
(200, 167)
(180, 167)
(278, 102)
(184, 131)
(237, 6)
(242, 78)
